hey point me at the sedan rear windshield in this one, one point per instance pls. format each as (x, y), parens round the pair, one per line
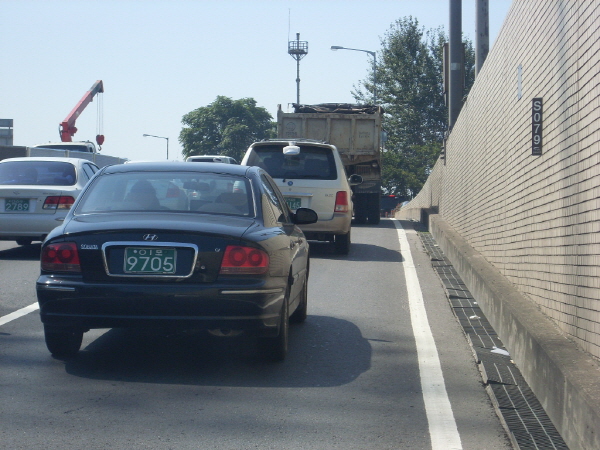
(312, 163)
(37, 173)
(193, 192)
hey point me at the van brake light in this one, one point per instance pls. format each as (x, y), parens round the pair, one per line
(341, 202)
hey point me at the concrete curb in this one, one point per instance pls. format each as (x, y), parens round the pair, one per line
(565, 379)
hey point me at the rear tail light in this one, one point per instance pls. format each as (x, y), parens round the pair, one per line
(341, 202)
(240, 260)
(58, 202)
(61, 257)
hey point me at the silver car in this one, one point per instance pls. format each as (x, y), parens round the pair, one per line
(37, 193)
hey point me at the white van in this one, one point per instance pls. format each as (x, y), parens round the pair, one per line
(310, 174)
(211, 158)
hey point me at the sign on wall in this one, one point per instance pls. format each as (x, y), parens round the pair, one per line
(537, 105)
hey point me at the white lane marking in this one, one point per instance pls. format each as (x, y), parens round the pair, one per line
(18, 313)
(442, 426)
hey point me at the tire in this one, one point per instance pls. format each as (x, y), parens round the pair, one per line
(342, 243)
(361, 211)
(301, 312)
(374, 218)
(374, 207)
(24, 241)
(276, 348)
(63, 342)
(360, 219)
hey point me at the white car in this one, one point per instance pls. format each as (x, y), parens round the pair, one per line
(36, 194)
(78, 146)
(310, 174)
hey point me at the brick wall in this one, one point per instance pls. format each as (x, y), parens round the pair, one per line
(535, 218)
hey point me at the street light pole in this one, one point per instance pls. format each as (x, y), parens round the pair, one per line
(160, 137)
(374, 55)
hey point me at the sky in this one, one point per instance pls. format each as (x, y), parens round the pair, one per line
(159, 60)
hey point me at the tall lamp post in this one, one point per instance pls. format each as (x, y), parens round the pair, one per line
(160, 137)
(374, 55)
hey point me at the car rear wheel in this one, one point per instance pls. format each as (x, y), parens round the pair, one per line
(300, 314)
(62, 342)
(342, 243)
(24, 241)
(276, 348)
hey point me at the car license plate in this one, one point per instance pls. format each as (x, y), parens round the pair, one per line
(150, 260)
(293, 202)
(16, 204)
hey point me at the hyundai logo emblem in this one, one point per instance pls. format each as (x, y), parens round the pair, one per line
(150, 237)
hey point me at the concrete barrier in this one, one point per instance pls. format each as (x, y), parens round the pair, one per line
(565, 379)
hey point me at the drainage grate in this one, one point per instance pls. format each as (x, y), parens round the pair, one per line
(520, 412)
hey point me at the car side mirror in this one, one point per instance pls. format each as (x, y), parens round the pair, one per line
(304, 216)
(355, 180)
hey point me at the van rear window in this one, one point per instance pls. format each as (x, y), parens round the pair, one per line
(312, 163)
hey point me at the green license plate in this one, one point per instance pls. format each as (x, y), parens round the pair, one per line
(16, 204)
(150, 260)
(293, 202)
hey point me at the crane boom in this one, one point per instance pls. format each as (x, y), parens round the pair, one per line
(67, 127)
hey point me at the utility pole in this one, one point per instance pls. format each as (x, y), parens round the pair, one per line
(482, 33)
(456, 61)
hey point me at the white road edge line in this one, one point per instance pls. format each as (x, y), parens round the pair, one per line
(442, 426)
(18, 313)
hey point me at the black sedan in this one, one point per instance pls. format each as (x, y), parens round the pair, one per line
(176, 246)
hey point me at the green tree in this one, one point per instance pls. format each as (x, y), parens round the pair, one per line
(409, 87)
(225, 127)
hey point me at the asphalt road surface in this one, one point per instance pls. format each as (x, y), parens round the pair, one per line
(354, 377)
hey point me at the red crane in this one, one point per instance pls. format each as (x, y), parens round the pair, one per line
(67, 127)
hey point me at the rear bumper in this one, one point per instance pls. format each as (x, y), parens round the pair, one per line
(34, 226)
(75, 304)
(339, 224)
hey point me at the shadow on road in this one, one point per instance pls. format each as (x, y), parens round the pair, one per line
(323, 351)
(22, 253)
(358, 251)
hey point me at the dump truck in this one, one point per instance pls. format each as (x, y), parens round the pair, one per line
(355, 131)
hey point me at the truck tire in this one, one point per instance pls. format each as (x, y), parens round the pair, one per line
(374, 218)
(374, 207)
(360, 209)
(360, 219)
